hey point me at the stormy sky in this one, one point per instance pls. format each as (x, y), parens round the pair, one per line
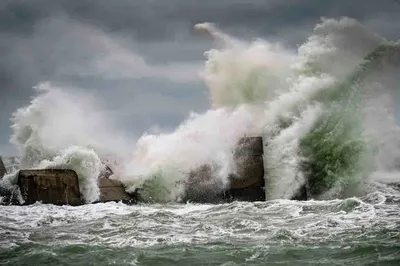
(141, 57)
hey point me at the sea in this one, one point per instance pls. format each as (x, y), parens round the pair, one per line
(327, 113)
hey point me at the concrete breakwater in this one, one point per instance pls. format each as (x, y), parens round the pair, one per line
(62, 187)
(59, 187)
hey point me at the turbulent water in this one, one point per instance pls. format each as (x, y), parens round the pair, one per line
(326, 113)
(281, 232)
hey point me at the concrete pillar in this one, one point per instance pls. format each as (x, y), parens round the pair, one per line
(247, 180)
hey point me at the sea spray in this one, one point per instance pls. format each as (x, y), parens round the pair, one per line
(247, 73)
(310, 106)
(283, 156)
(340, 148)
(87, 165)
(9, 189)
(162, 163)
(285, 95)
(64, 129)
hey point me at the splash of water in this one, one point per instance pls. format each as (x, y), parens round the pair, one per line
(312, 107)
(64, 129)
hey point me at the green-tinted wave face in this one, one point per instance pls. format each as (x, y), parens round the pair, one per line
(335, 148)
(339, 154)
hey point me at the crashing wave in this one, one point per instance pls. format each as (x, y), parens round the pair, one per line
(313, 107)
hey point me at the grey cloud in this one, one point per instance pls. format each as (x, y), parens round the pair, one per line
(142, 56)
(173, 19)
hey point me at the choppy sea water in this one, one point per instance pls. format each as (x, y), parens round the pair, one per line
(354, 231)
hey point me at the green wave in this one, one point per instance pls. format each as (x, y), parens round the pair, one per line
(339, 153)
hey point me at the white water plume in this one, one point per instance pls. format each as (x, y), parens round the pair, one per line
(205, 139)
(65, 129)
(301, 102)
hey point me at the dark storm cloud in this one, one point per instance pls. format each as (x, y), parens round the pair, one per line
(133, 52)
(160, 20)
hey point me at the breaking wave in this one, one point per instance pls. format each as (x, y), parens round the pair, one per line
(325, 112)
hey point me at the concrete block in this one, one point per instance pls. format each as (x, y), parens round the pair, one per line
(250, 146)
(113, 190)
(50, 186)
(248, 172)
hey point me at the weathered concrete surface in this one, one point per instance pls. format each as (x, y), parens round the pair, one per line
(246, 182)
(113, 190)
(202, 187)
(250, 146)
(3, 170)
(249, 172)
(61, 187)
(49, 186)
(248, 164)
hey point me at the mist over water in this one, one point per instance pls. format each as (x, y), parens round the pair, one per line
(325, 112)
